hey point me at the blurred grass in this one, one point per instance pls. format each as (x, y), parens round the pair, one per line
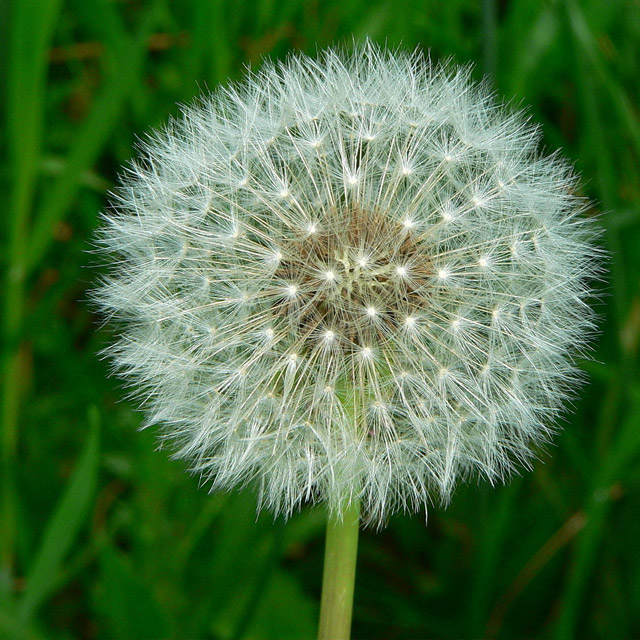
(148, 554)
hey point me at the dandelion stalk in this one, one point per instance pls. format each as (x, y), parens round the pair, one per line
(341, 550)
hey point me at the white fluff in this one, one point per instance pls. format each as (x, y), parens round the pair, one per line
(350, 276)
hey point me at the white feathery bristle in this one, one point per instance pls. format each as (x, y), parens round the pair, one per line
(349, 277)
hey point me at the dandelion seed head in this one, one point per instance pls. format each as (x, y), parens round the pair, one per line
(354, 276)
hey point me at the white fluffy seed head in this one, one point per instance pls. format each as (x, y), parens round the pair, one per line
(349, 277)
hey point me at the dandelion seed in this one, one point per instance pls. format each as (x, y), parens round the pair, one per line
(366, 352)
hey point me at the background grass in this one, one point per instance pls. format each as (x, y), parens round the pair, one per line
(102, 536)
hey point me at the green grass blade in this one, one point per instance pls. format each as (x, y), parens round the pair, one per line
(595, 148)
(93, 134)
(619, 100)
(129, 604)
(32, 26)
(64, 525)
(489, 37)
(622, 455)
(493, 536)
(527, 45)
(210, 54)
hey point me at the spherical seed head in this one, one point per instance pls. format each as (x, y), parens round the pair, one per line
(350, 276)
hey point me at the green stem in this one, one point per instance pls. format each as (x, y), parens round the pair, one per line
(338, 580)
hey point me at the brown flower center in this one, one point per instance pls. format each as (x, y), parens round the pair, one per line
(360, 276)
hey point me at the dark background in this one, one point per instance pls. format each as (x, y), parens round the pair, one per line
(103, 536)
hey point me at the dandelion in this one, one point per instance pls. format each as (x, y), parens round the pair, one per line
(351, 280)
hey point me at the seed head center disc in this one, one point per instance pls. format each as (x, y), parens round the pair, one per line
(359, 275)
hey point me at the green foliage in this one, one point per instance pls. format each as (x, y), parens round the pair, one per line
(115, 540)
(125, 602)
(63, 527)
